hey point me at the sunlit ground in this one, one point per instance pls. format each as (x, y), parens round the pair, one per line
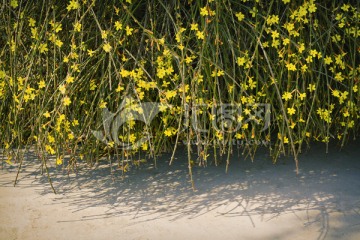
(254, 200)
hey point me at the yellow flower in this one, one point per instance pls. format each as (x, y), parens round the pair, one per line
(49, 149)
(73, 5)
(339, 77)
(14, 3)
(194, 27)
(345, 7)
(66, 101)
(90, 52)
(301, 47)
(200, 35)
(304, 68)
(217, 73)
(204, 11)
(240, 16)
(230, 88)
(273, 19)
(66, 59)
(57, 27)
(312, 8)
(41, 84)
(355, 88)
(119, 88)
(286, 1)
(62, 88)
(32, 22)
(163, 107)
(132, 138)
(75, 122)
(241, 61)
(328, 60)
(170, 131)
(104, 34)
(161, 73)
(128, 30)
(51, 139)
(302, 96)
(170, 94)
(291, 111)
(287, 96)
(238, 136)
(118, 25)
(69, 79)
(77, 27)
(189, 59)
(162, 41)
(313, 52)
(102, 104)
(124, 73)
(311, 87)
(335, 93)
(275, 34)
(291, 67)
(107, 48)
(144, 146)
(58, 43)
(219, 135)
(43, 48)
(286, 41)
(59, 160)
(71, 136)
(46, 114)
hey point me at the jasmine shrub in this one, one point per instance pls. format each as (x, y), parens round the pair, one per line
(217, 72)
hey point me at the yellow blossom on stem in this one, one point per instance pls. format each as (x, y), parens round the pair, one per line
(77, 27)
(46, 114)
(14, 3)
(240, 16)
(118, 25)
(59, 160)
(73, 5)
(128, 30)
(62, 88)
(102, 104)
(302, 96)
(291, 111)
(311, 87)
(170, 131)
(287, 96)
(49, 149)
(66, 100)
(204, 11)
(200, 35)
(170, 94)
(107, 48)
(291, 67)
(194, 27)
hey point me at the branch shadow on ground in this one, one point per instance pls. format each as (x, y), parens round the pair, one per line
(249, 189)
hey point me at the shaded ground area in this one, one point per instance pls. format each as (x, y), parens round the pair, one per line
(254, 200)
